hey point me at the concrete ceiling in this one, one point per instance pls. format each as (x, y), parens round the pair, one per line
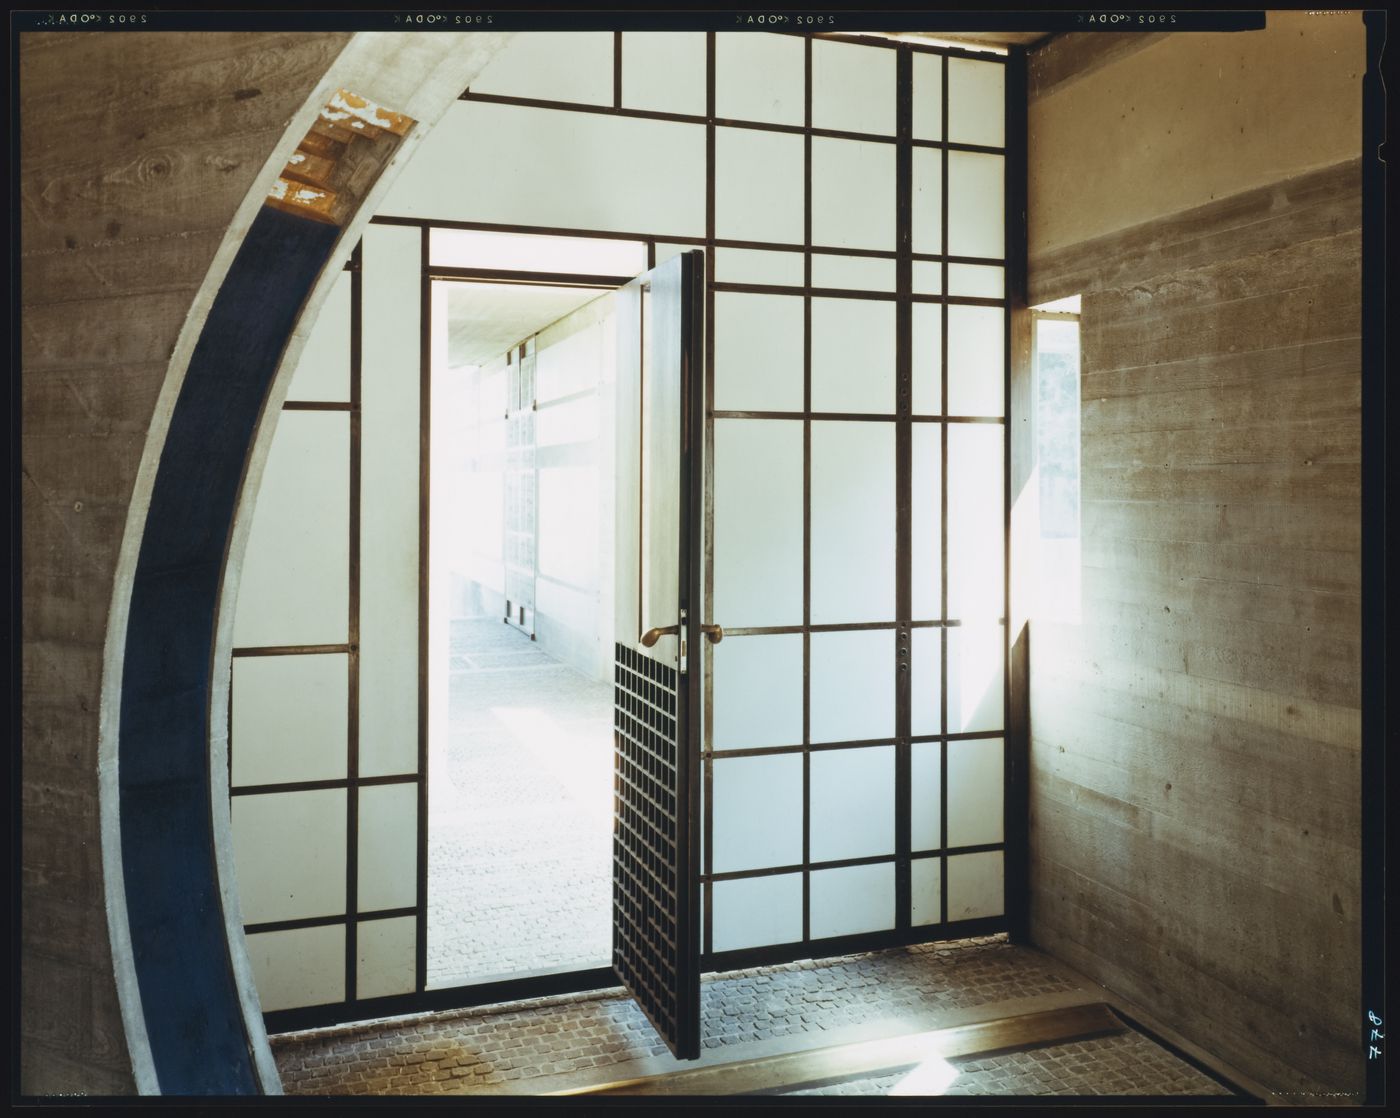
(486, 319)
(971, 38)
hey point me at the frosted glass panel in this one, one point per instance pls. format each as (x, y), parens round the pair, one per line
(925, 888)
(289, 718)
(976, 526)
(665, 251)
(531, 152)
(926, 513)
(757, 691)
(926, 682)
(760, 77)
(757, 176)
(853, 522)
(853, 87)
(552, 66)
(757, 911)
(852, 811)
(928, 278)
(758, 352)
(976, 102)
(758, 522)
(984, 281)
(386, 963)
(928, 96)
(853, 343)
(742, 265)
(853, 194)
(389, 426)
(976, 885)
(975, 790)
(294, 587)
(976, 361)
(664, 71)
(853, 899)
(757, 812)
(388, 846)
(323, 372)
(926, 216)
(976, 677)
(852, 685)
(570, 421)
(289, 848)
(976, 221)
(925, 816)
(927, 355)
(854, 273)
(531, 252)
(298, 967)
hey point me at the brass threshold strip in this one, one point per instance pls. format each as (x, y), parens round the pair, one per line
(847, 1061)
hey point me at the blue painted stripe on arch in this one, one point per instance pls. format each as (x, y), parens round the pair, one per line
(189, 996)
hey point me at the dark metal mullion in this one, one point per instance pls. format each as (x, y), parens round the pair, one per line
(291, 650)
(317, 405)
(670, 238)
(854, 417)
(943, 518)
(707, 774)
(425, 308)
(675, 238)
(904, 266)
(526, 277)
(806, 866)
(352, 657)
(616, 109)
(835, 746)
(807, 498)
(277, 787)
(1015, 749)
(321, 921)
(617, 69)
(846, 417)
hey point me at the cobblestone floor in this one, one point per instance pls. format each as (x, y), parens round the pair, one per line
(462, 1051)
(1127, 1064)
(520, 814)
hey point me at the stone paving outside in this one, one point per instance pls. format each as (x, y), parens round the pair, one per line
(1126, 1064)
(520, 847)
(465, 1050)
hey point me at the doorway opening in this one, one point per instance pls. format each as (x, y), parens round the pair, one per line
(520, 603)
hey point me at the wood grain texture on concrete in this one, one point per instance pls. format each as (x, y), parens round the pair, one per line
(145, 158)
(1129, 132)
(133, 162)
(1195, 788)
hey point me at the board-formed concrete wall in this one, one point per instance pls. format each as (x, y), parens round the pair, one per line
(144, 159)
(1195, 789)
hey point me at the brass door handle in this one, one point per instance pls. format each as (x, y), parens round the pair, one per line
(651, 636)
(713, 633)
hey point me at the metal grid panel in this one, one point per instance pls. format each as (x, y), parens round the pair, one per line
(647, 909)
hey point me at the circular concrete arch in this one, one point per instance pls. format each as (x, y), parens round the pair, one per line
(188, 1003)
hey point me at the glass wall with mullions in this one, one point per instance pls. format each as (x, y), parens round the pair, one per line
(849, 197)
(841, 801)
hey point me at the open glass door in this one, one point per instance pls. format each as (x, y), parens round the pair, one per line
(656, 827)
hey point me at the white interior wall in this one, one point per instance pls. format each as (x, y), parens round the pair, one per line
(575, 363)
